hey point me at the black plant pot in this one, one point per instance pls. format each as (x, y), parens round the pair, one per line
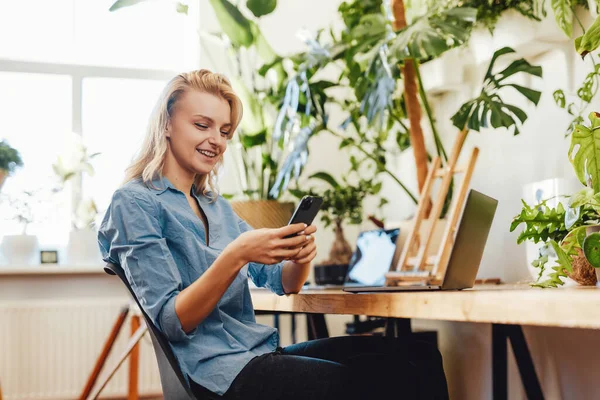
(331, 274)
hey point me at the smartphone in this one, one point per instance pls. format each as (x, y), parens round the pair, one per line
(306, 211)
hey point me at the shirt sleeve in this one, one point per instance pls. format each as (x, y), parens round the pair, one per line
(131, 235)
(267, 276)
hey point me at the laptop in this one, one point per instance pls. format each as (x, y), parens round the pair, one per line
(364, 275)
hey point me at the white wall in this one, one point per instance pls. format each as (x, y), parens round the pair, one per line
(565, 359)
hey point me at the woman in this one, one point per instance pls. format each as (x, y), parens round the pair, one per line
(187, 256)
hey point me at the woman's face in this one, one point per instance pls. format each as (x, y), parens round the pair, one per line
(198, 131)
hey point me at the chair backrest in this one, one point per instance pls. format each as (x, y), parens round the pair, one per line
(173, 382)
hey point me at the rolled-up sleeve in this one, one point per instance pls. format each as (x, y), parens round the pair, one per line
(267, 276)
(131, 235)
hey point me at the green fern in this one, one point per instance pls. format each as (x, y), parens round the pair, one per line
(542, 223)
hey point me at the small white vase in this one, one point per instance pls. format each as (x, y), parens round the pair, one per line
(20, 249)
(83, 248)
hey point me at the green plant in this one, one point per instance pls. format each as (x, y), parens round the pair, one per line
(489, 108)
(10, 158)
(489, 11)
(565, 229)
(342, 202)
(370, 56)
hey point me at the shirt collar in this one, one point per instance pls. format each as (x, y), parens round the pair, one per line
(161, 184)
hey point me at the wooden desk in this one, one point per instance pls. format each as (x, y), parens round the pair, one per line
(574, 307)
(506, 307)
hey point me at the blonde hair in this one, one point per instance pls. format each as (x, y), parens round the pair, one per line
(149, 163)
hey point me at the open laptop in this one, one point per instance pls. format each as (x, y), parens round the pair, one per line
(471, 237)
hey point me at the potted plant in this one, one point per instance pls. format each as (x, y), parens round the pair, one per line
(10, 159)
(82, 248)
(570, 233)
(342, 204)
(20, 249)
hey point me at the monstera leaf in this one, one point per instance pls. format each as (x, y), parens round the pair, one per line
(489, 108)
(434, 33)
(584, 153)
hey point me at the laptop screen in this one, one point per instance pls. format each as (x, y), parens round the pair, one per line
(372, 257)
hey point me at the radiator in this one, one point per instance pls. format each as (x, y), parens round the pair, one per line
(48, 349)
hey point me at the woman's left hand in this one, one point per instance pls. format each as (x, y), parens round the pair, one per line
(309, 250)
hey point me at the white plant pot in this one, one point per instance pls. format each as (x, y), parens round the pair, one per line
(20, 249)
(535, 192)
(83, 248)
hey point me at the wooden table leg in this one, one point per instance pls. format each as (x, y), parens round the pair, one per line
(134, 361)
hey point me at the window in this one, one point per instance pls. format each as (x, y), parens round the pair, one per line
(71, 70)
(115, 114)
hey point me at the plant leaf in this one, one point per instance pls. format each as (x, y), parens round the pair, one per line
(560, 98)
(590, 41)
(297, 193)
(584, 152)
(253, 111)
(488, 108)
(591, 249)
(327, 178)
(261, 7)
(182, 8)
(563, 13)
(532, 95)
(124, 3)
(257, 139)
(433, 34)
(233, 23)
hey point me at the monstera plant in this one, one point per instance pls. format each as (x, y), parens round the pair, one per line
(571, 234)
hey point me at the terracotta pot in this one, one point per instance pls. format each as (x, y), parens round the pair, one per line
(583, 272)
(264, 213)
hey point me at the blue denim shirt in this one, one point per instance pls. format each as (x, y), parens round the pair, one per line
(161, 244)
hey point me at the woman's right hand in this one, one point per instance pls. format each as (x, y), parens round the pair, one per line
(269, 246)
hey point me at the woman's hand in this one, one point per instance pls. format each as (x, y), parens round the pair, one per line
(309, 249)
(269, 246)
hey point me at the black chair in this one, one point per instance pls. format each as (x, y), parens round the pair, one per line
(172, 379)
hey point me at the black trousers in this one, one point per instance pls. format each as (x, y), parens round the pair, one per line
(347, 367)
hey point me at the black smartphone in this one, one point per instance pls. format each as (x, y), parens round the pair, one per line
(306, 211)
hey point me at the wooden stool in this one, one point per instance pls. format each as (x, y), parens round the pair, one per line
(138, 329)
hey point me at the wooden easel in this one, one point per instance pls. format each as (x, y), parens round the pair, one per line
(413, 268)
